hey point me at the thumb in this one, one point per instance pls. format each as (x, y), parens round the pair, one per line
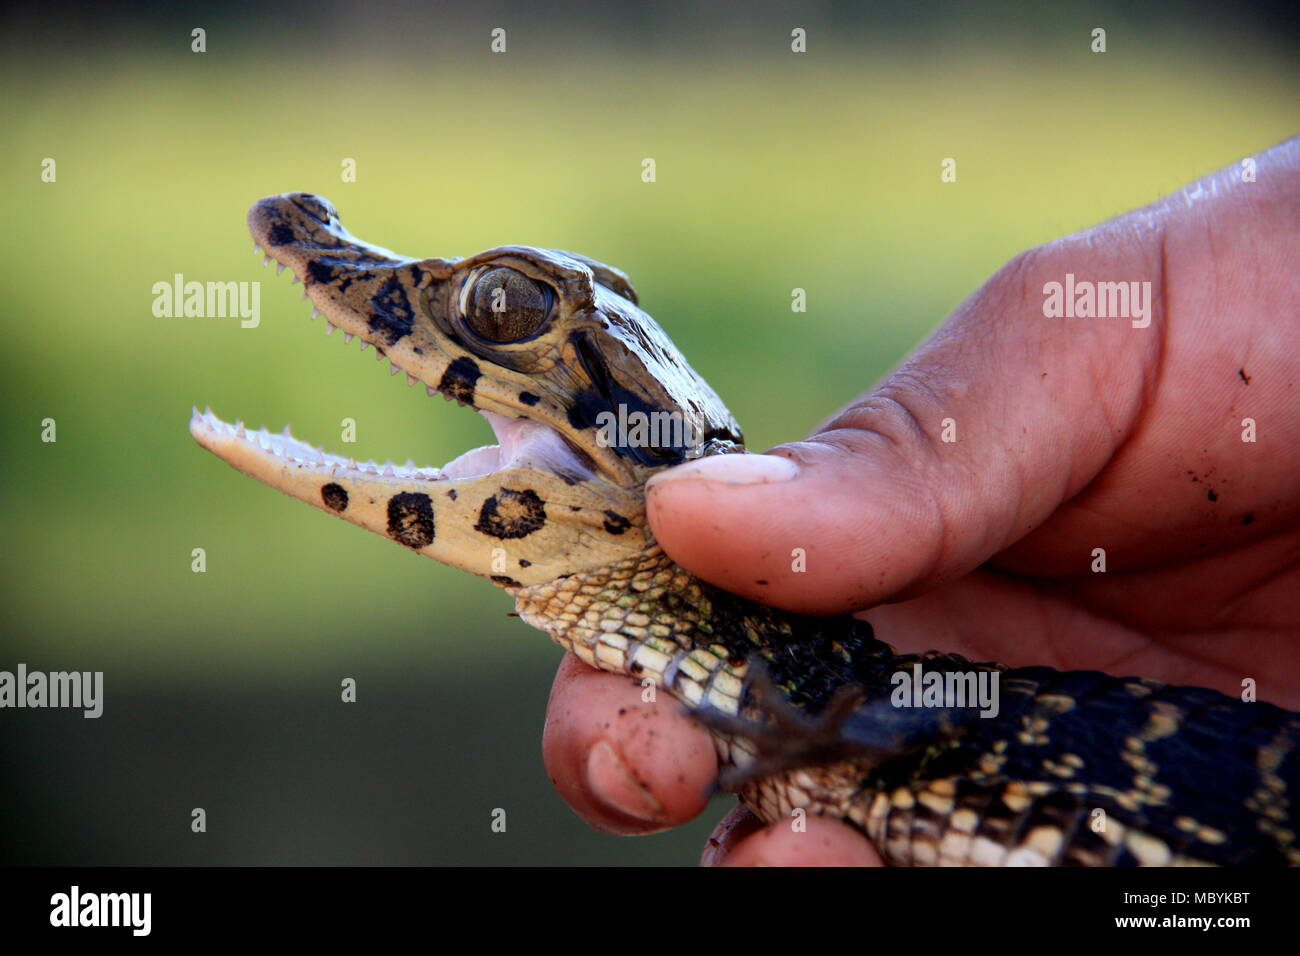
(1006, 412)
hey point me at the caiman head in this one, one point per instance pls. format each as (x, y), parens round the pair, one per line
(586, 394)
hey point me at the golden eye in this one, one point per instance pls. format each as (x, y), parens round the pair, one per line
(504, 305)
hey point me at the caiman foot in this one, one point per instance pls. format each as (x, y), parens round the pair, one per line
(786, 739)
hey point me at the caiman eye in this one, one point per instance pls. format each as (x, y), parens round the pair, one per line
(504, 305)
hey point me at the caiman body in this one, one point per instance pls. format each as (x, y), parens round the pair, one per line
(589, 398)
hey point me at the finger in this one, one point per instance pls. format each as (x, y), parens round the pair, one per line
(624, 765)
(741, 840)
(739, 824)
(981, 435)
(878, 504)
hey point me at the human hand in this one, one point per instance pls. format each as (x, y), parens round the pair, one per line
(1072, 434)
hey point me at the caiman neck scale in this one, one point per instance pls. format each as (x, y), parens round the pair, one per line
(589, 398)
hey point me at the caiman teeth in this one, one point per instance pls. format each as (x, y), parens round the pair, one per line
(280, 459)
(294, 451)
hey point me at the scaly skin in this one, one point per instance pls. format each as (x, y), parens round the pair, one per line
(1074, 768)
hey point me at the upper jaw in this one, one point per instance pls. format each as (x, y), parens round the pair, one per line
(601, 354)
(397, 304)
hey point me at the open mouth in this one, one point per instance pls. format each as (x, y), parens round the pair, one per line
(522, 443)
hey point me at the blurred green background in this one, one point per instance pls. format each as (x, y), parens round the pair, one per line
(775, 171)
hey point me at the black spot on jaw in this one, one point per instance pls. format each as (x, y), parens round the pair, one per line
(504, 581)
(528, 398)
(451, 493)
(594, 365)
(391, 316)
(459, 380)
(341, 273)
(335, 497)
(410, 519)
(280, 235)
(511, 514)
(525, 563)
(606, 395)
(615, 523)
(319, 271)
(1249, 518)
